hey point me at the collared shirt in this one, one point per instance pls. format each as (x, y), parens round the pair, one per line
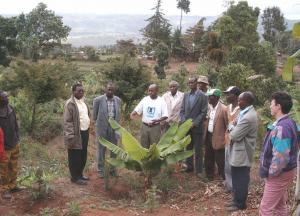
(243, 112)
(192, 97)
(212, 115)
(173, 104)
(83, 114)
(175, 99)
(110, 107)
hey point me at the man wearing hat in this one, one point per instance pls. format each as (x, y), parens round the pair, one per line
(232, 93)
(215, 137)
(203, 83)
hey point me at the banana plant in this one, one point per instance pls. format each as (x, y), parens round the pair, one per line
(133, 156)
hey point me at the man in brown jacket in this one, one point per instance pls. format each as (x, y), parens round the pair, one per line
(76, 133)
(215, 138)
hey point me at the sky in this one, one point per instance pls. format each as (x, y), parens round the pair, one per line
(290, 8)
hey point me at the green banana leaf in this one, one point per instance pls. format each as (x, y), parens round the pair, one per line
(115, 149)
(295, 112)
(166, 140)
(179, 156)
(177, 146)
(119, 163)
(116, 162)
(129, 142)
(183, 130)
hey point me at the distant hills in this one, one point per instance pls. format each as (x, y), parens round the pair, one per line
(100, 30)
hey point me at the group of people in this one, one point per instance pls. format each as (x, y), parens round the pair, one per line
(222, 136)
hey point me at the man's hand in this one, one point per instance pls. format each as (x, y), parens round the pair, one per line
(134, 115)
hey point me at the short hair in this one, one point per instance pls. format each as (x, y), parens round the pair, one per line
(249, 97)
(110, 83)
(153, 85)
(75, 86)
(195, 79)
(284, 99)
(173, 82)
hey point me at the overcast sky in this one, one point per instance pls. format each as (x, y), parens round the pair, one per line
(290, 8)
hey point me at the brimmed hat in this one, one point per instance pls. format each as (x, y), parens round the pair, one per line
(214, 92)
(233, 90)
(203, 79)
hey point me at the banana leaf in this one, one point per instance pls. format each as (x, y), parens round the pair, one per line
(183, 130)
(177, 146)
(167, 138)
(288, 67)
(179, 156)
(115, 149)
(116, 162)
(295, 112)
(129, 142)
(296, 30)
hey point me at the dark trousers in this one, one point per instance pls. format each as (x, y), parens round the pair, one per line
(196, 144)
(213, 156)
(77, 157)
(240, 184)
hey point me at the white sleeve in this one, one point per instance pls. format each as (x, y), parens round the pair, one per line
(164, 109)
(139, 107)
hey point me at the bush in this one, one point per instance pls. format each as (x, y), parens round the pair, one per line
(206, 68)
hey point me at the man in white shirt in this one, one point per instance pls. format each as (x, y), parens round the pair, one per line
(153, 110)
(173, 99)
(76, 133)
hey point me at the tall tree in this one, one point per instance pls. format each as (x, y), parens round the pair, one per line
(184, 6)
(40, 30)
(8, 35)
(274, 24)
(158, 28)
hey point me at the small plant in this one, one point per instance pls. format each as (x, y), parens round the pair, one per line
(41, 188)
(49, 212)
(73, 209)
(152, 201)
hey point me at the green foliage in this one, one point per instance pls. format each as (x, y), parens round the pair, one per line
(207, 68)
(73, 209)
(127, 47)
(158, 28)
(8, 35)
(132, 155)
(40, 30)
(162, 56)
(235, 75)
(40, 83)
(49, 212)
(177, 46)
(184, 6)
(296, 30)
(181, 77)
(273, 23)
(152, 200)
(130, 76)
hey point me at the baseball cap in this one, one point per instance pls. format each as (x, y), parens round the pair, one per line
(203, 79)
(233, 90)
(215, 92)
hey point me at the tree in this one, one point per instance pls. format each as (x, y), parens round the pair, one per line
(158, 28)
(126, 47)
(40, 82)
(178, 49)
(161, 56)
(8, 33)
(169, 150)
(39, 31)
(273, 23)
(130, 77)
(184, 6)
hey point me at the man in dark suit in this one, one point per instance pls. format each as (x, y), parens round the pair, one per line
(104, 107)
(194, 106)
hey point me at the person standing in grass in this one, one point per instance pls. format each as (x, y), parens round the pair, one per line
(11, 139)
(278, 158)
(76, 133)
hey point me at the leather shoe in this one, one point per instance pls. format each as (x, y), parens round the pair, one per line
(85, 178)
(16, 189)
(229, 204)
(232, 208)
(79, 182)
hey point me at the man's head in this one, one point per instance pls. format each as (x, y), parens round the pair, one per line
(203, 83)
(152, 91)
(3, 98)
(232, 93)
(173, 86)
(281, 103)
(246, 99)
(214, 96)
(192, 82)
(110, 90)
(78, 91)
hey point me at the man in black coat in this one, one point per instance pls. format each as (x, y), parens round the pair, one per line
(194, 106)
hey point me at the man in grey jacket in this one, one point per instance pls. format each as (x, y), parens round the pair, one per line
(243, 136)
(104, 107)
(194, 106)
